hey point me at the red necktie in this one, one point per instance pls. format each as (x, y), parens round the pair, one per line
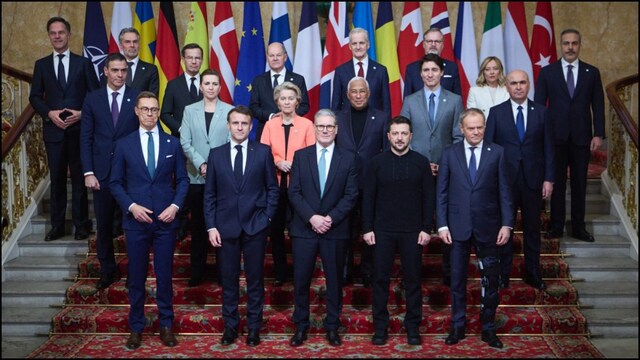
(360, 71)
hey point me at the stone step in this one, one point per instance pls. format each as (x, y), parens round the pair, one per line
(595, 203)
(614, 323)
(19, 347)
(34, 245)
(40, 224)
(26, 321)
(16, 293)
(602, 270)
(597, 224)
(608, 294)
(604, 246)
(41, 268)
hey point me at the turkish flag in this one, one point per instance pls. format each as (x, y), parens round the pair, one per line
(543, 44)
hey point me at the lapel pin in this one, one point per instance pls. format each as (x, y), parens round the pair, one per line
(374, 68)
(373, 117)
(443, 100)
(531, 108)
(143, 68)
(168, 140)
(488, 149)
(128, 100)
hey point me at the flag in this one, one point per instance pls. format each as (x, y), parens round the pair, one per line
(167, 50)
(224, 49)
(309, 55)
(252, 60)
(280, 31)
(95, 44)
(440, 19)
(120, 19)
(362, 18)
(386, 39)
(143, 22)
(336, 49)
(492, 40)
(410, 39)
(516, 41)
(197, 31)
(465, 49)
(543, 41)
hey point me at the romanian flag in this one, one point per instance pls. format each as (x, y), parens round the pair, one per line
(197, 30)
(144, 23)
(387, 56)
(167, 51)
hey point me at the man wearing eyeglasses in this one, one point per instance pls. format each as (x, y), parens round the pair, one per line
(107, 115)
(433, 43)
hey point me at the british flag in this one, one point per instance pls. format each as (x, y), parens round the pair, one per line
(336, 49)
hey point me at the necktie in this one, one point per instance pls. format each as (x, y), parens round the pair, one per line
(129, 73)
(472, 165)
(432, 110)
(322, 171)
(151, 155)
(192, 89)
(275, 80)
(571, 86)
(237, 164)
(520, 123)
(114, 108)
(62, 78)
(360, 70)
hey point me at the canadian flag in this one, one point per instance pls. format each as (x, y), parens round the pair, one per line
(543, 41)
(410, 40)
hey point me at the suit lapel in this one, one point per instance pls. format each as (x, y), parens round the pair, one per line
(127, 107)
(251, 157)
(74, 68)
(333, 168)
(313, 167)
(487, 154)
(559, 74)
(424, 109)
(139, 155)
(462, 161)
(163, 150)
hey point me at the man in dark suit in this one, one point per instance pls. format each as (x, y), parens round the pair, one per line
(262, 105)
(322, 191)
(149, 181)
(474, 208)
(363, 135)
(432, 44)
(183, 90)
(60, 83)
(141, 75)
(523, 129)
(240, 199)
(107, 115)
(572, 91)
(360, 65)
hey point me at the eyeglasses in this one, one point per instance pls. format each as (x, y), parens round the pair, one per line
(328, 128)
(432, 42)
(146, 110)
(193, 58)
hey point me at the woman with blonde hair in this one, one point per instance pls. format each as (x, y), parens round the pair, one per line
(490, 89)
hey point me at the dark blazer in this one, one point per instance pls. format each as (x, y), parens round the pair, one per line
(373, 141)
(176, 98)
(248, 207)
(145, 78)
(98, 135)
(578, 119)
(262, 104)
(480, 209)
(537, 150)
(130, 181)
(341, 192)
(450, 80)
(47, 94)
(378, 79)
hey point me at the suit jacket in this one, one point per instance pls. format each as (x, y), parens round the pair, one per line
(130, 181)
(480, 209)
(340, 193)
(196, 142)
(480, 97)
(231, 207)
(378, 79)
(262, 104)
(176, 98)
(537, 150)
(373, 141)
(450, 80)
(575, 119)
(98, 136)
(430, 141)
(47, 94)
(144, 79)
(301, 135)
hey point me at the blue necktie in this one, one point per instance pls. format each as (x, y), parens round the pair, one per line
(237, 164)
(472, 164)
(151, 155)
(62, 78)
(571, 86)
(432, 110)
(520, 123)
(114, 108)
(322, 171)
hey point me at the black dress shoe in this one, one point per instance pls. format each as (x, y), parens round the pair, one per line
(253, 338)
(455, 335)
(504, 282)
(413, 337)
(584, 236)
(229, 336)
(194, 281)
(333, 338)
(81, 234)
(380, 337)
(167, 338)
(553, 234)
(366, 281)
(535, 282)
(298, 338)
(490, 337)
(54, 234)
(134, 341)
(105, 281)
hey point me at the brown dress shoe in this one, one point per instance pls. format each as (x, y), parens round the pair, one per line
(134, 341)
(167, 338)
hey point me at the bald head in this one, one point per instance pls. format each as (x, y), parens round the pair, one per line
(518, 86)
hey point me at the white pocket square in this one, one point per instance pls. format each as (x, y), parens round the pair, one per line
(168, 156)
(447, 76)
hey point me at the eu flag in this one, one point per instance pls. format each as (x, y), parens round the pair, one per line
(252, 59)
(95, 44)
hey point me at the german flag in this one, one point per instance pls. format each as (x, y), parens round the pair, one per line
(167, 50)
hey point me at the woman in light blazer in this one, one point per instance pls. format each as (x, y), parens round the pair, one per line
(204, 126)
(491, 88)
(301, 134)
